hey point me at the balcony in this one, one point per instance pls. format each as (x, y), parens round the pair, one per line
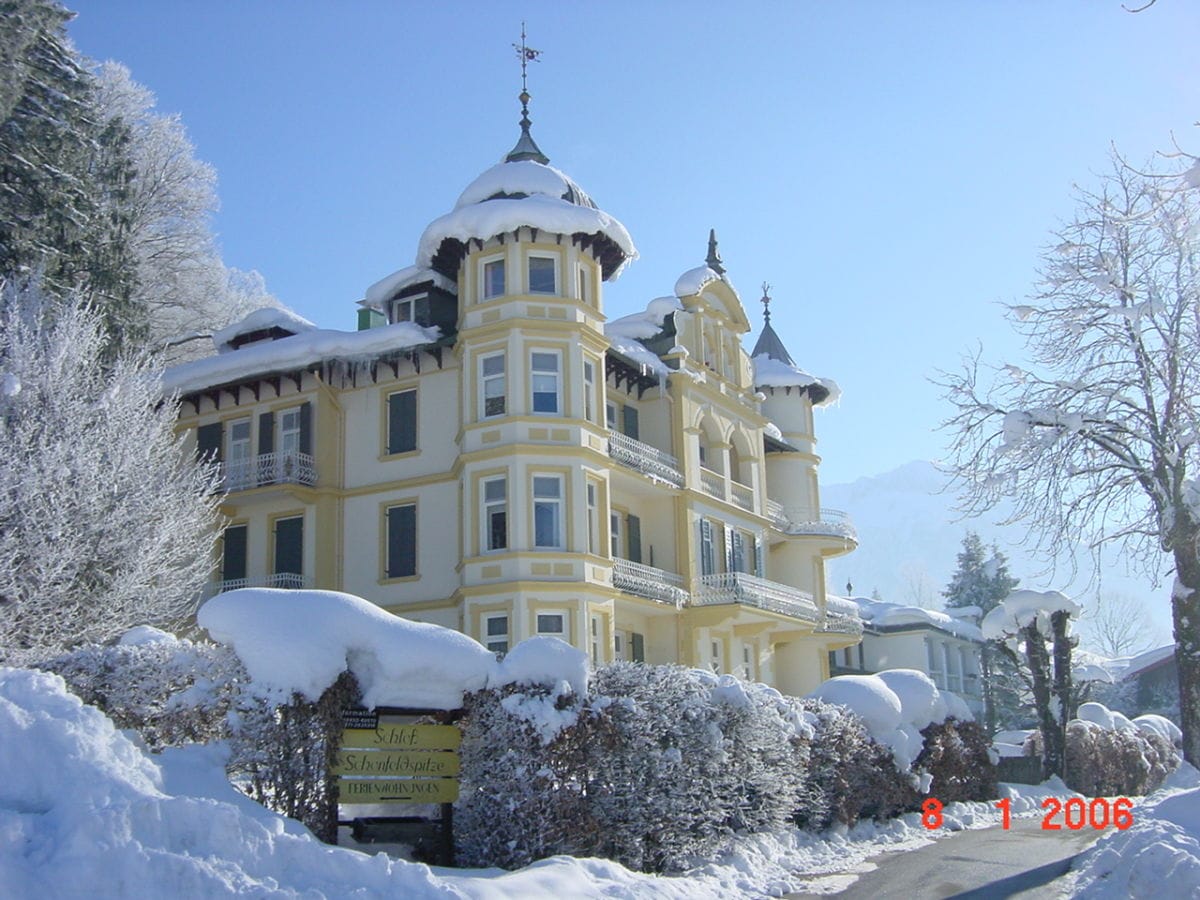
(738, 587)
(285, 467)
(650, 461)
(289, 580)
(809, 520)
(840, 623)
(712, 483)
(649, 582)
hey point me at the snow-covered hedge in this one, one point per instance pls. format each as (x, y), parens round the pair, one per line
(1109, 755)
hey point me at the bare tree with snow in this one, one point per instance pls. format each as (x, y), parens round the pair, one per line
(105, 521)
(1117, 624)
(1099, 444)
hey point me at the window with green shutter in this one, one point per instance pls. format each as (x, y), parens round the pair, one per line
(402, 541)
(233, 553)
(402, 421)
(289, 546)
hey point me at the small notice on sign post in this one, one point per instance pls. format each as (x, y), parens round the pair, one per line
(408, 790)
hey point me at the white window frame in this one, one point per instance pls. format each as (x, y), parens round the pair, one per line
(536, 373)
(485, 286)
(620, 645)
(615, 535)
(553, 260)
(748, 661)
(592, 496)
(595, 629)
(563, 616)
(556, 504)
(717, 654)
(488, 508)
(485, 380)
(405, 305)
(611, 415)
(289, 431)
(589, 390)
(493, 640)
(582, 289)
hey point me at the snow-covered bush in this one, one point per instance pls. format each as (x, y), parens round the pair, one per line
(170, 691)
(955, 756)
(1108, 755)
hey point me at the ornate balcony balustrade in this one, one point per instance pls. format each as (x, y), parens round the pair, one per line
(810, 520)
(839, 623)
(284, 467)
(712, 483)
(743, 495)
(738, 587)
(289, 580)
(649, 582)
(640, 457)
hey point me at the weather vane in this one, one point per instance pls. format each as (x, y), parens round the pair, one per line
(766, 302)
(528, 55)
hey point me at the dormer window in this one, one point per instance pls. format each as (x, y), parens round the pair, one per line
(402, 310)
(542, 272)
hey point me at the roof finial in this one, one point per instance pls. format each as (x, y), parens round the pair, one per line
(526, 148)
(766, 302)
(714, 256)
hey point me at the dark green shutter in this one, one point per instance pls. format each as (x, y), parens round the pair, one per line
(630, 415)
(637, 647)
(289, 546)
(402, 541)
(634, 527)
(402, 422)
(266, 433)
(708, 563)
(233, 553)
(306, 428)
(737, 551)
(208, 442)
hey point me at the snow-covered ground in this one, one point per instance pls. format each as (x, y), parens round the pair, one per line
(84, 811)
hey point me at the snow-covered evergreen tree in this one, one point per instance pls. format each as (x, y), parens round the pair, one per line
(105, 521)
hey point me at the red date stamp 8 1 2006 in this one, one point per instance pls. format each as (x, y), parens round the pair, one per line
(1075, 812)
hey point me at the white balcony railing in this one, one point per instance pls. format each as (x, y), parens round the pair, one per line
(640, 457)
(738, 587)
(743, 495)
(289, 580)
(841, 623)
(284, 467)
(712, 483)
(649, 582)
(809, 520)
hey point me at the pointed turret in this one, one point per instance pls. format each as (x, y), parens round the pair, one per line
(769, 344)
(526, 148)
(714, 255)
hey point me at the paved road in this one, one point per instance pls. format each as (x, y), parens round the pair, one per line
(986, 864)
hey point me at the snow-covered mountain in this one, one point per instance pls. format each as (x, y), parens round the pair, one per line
(909, 537)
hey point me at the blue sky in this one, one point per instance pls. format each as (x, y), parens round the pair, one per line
(892, 169)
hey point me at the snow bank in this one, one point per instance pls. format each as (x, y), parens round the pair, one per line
(543, 660)
(1109, 719)
(291, 353)
(920, 702)
(385, 288)
(775, 373)
(1161, 726)
(300, 641)
(261, 320)
(1158, 857)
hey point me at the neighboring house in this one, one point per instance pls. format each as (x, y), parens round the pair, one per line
(485, 454)
(1152, 678)
(943, 646)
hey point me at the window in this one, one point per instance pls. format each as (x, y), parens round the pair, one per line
(548, 512)
(403, 310)
(589, 390)
(402, 422)
(233, 553)
(614, 532)
(637, 647)
(545, 383)
(495, 631)
(747, 662)
(289, 550)
(717, 662)
(619, 645)
(582, 284)
(708, 556)
(493, 278)
(495, 514)
(402, 541)
(593, 519)
(495, 386)
(239, 462)
(737, 552)
(610, 415)
(595, 627)
(289, 432)
(552, 623)
(542, 275)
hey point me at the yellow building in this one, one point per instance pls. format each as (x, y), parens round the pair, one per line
(484, 453)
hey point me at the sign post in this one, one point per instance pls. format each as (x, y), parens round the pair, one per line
(394, 757)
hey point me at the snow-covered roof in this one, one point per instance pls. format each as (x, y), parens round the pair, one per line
(880, 614)
(260, 320)
(693, 281)
(646, 324)
(638, 352)
(291, 353)
(1145, 660)
(386, 288)
(524, 178)
(525, 192)
(776, 373)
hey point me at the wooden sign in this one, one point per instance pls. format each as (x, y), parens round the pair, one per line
(402, 737)
(381, 790)
(396, 764)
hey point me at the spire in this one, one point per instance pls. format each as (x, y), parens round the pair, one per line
(526, 148)
(769, 344)
(714, 255)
